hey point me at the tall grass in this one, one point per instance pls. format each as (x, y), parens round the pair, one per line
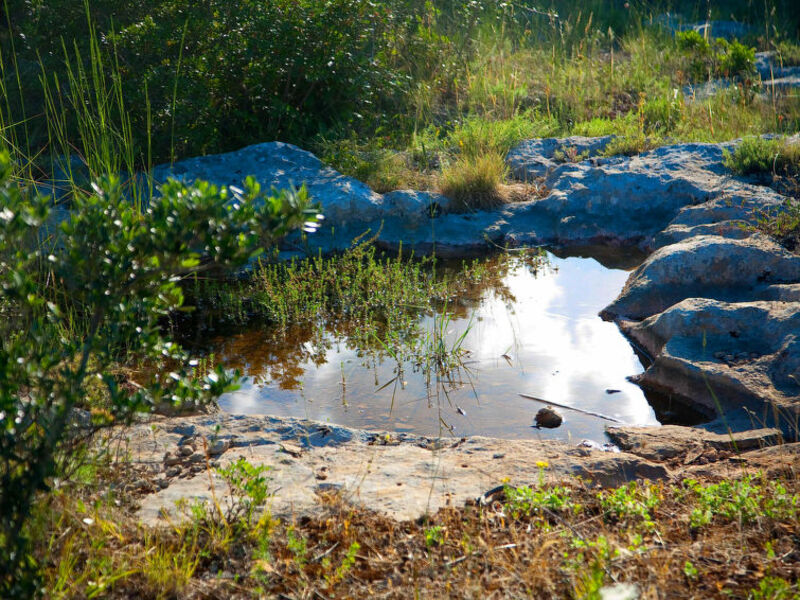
(88, 132)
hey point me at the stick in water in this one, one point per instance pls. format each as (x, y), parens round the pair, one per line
(580, 410)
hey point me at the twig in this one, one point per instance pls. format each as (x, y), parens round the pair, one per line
(324, 554)
(580, 410)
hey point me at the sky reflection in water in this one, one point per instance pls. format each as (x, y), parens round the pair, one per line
(560, 350)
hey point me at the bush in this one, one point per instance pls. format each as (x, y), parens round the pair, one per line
(737, 60)
(761, 155)
(692, 42)
(76, 305)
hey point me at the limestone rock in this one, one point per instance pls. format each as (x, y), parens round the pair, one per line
(660, 444)
(406, 479)
(725, 355)
(280, 165)
(537, 157)
(704, 267)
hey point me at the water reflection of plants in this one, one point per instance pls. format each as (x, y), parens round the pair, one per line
(387, 307)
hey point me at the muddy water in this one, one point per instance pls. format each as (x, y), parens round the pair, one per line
(540, 335)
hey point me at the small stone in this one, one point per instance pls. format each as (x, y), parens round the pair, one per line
(218, 447)
(292, 449)
(547, 417)
(139, 485)
(729, 358)
(173, 471)
(170, 459)
(186, 450)
(620, 591)
(162, 483)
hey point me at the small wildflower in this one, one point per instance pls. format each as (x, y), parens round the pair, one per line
(542, 464)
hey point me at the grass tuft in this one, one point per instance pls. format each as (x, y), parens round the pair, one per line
(474, 183)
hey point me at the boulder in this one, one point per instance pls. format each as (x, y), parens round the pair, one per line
(280, 165)
(704, 266)
(726, 357)
(621, 200)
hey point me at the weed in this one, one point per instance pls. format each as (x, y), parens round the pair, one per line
(434, 536)
(348, 561)
(774, 588)
(764, 155)
(529, 501)
(744, 501)
(249, 488)
(690, 570)
(632, 503)
(788, 53)
(297, 544)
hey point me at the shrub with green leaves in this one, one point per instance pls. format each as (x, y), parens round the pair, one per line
(738, 60)
(764, 155)
(77, 302)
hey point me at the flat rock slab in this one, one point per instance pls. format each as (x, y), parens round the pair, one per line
(660, 444)
(402, 476)
(405, 476)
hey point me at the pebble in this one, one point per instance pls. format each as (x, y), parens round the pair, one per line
(173, 471)
(186, 450)
(170, 459)
(218, 447)
(547, 417)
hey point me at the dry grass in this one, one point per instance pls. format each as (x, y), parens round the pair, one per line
(473, 182)
(564, 541)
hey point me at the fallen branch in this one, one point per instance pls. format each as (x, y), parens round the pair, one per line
(580, 410)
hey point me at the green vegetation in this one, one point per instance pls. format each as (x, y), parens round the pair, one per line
(778, 158)
(405, 93)
(361, 294)
(474, 183)
(540, 541)
(765, 155)
(79, 301)
(427, 94)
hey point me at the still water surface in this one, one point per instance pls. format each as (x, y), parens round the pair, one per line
(540, 336)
